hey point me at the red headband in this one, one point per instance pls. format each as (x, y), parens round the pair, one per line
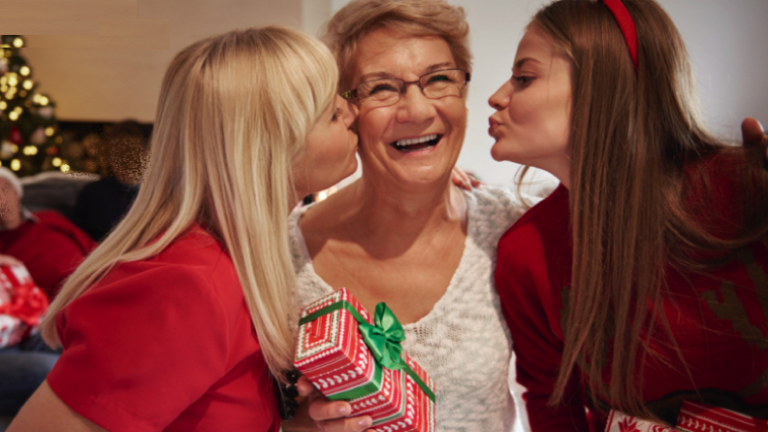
(627, 26)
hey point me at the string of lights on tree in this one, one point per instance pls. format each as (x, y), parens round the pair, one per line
(30, 141)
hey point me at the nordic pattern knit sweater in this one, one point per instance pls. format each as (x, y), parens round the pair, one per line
(720, 322)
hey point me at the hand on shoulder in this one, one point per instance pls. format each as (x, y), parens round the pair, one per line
(754, 135)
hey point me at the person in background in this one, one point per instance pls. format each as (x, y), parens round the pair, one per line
(642, 280)
(50, 247)
(48, 244)
(181, 317)
(102, 204)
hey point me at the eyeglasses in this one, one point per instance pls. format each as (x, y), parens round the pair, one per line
(388, 91)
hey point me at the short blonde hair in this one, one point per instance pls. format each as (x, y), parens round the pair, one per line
(234, 112)
(413, 17)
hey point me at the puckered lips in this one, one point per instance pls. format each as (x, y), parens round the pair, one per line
(493, 125)
(416, 144)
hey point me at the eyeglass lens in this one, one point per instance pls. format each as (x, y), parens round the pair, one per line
(434, 85)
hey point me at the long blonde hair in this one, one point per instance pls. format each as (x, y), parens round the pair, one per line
(234, 112)
(633, 138)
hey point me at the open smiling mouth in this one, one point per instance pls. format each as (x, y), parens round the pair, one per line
(415, 144)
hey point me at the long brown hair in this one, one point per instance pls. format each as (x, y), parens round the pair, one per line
(634, 138)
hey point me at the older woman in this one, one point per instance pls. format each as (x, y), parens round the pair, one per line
(402, 234)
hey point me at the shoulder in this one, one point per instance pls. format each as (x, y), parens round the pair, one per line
(491, 210)
(195, 253)
(50, 222)
(191, 287)
(723, 191)
(539, 234)
(534, 264)
(51, 217)
(194, 271)
(548, 213)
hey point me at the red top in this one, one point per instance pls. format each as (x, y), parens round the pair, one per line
(166, 344)
(51, 248)
(720, 324)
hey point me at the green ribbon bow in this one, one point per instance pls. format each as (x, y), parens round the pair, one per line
(384, 338)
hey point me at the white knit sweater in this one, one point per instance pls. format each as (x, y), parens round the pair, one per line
(463, 343)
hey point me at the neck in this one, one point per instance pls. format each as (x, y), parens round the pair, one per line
(387, 209)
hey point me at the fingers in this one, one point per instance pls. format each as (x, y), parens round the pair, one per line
(331, 416)
(461, 179)
(305, 387)
(754, 137)
(351, 424)
(752, 132)
(323, 409)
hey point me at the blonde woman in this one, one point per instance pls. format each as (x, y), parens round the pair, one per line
(179, 320)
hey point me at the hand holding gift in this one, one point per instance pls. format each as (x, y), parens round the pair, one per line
(349, 356)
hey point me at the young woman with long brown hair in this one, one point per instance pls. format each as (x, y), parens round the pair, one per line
(643, 279)
(177, 319)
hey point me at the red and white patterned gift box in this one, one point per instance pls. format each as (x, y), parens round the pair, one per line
(620, 422)
(700, 417)
(693, 417)
(332, 353)
(22, 304)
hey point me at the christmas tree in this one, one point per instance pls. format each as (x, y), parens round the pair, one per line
(30, 141)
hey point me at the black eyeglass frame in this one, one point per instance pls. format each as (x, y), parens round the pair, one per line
(352, 94)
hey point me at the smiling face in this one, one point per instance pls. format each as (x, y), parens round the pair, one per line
(417, 140)
(532, 123)
(329, 153)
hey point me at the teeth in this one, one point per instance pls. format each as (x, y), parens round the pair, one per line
(412, 141)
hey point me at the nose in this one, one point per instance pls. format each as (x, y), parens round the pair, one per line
(500, 99)
(348, 111)
(414, 107)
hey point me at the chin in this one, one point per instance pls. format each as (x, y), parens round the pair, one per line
(498, 155)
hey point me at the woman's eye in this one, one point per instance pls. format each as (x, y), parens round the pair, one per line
(522, 80)
(336, 114)
(382, 88)
(438, 78)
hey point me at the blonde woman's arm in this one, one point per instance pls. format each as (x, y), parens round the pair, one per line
(45, 412)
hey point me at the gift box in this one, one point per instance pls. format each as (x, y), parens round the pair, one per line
(693, 417)
(22, 304)
(700, 417)
(620, 422)
(349, 355)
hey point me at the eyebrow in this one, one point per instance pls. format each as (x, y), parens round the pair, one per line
(381, 75)
(523, 61)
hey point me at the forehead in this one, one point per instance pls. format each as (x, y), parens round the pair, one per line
(386, 52)
(536, 44)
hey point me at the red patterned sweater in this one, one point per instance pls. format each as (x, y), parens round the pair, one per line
(720, 323)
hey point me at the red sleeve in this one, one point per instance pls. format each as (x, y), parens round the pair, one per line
(141, 346)
(52, 249)
(531, 263)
